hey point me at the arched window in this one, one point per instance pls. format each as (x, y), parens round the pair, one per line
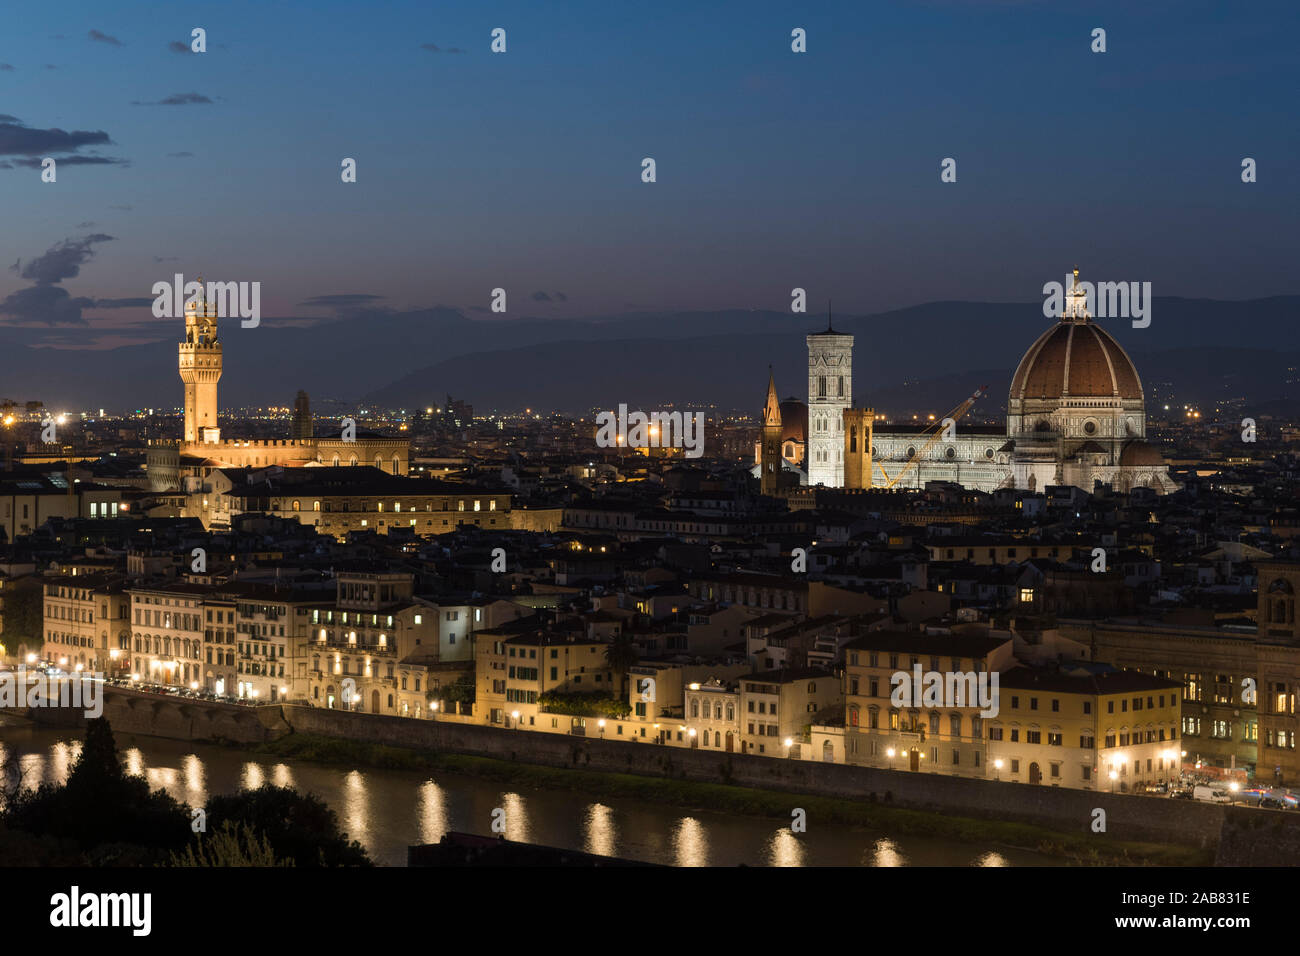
(297, 505)
(695, 708)
(336, 461)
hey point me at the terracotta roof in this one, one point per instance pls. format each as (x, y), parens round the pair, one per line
(1075, 359)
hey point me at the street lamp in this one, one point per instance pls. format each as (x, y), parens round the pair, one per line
(601, 724)
(789, 742)
(997, 769)
(890, 754)
(514, 715)
(1113, 777)
(1234, 787)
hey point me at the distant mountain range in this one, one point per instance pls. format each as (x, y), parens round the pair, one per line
(928, 357)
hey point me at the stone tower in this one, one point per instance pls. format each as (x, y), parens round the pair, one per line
(200, 368)
(830, 392)
(770, 454)
(302, 426)
(858, 424)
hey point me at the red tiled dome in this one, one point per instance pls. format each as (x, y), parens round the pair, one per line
(1076, 359)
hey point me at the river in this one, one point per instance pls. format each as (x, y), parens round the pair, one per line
(387, 810)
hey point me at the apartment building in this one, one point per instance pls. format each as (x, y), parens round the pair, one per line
(777, 708)
(946, 737)
(1088, 727)
(86, 623)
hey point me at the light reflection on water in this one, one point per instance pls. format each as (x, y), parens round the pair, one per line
(387, 810)
(602, 832)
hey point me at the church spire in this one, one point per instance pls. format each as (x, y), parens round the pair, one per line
(829, 327)
(772, 410)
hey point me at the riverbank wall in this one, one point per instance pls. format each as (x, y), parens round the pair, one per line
(1240, 836)
(1127, 817)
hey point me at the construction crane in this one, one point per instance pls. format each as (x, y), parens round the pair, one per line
(955, 415)
(7, 407)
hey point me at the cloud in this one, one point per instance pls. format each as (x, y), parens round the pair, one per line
(63, 260)
(45, 303)
(85, 225)
(434, 48)
(35, 163)
(176, 99)
(179, 46)
(341, 301)
(6, 118)
(50, 66)
(166, 258)
(122, 208)
(19, 140)
(6, 67)
(181, 155)
(104, 38)
(541, 297)
(561, 297)
(136, 303)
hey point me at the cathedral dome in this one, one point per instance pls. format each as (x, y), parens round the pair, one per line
(794, 421)
(1138, 454)
(1076, 358)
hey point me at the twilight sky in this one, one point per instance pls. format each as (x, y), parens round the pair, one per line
(522, 169)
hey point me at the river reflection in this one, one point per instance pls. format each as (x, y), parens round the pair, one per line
(387, 810)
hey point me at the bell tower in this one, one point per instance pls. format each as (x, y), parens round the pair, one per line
(770, 454)
(830, 392)
(200, 367)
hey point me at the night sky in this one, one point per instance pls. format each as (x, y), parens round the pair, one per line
(522, 170)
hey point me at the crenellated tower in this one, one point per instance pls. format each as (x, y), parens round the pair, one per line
(200, 368)
(858, 431)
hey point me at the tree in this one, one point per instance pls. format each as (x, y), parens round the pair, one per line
(232, 845)
(298, 827)
(621, 654)
(24, 622)
(110, 816)
(460, 691)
